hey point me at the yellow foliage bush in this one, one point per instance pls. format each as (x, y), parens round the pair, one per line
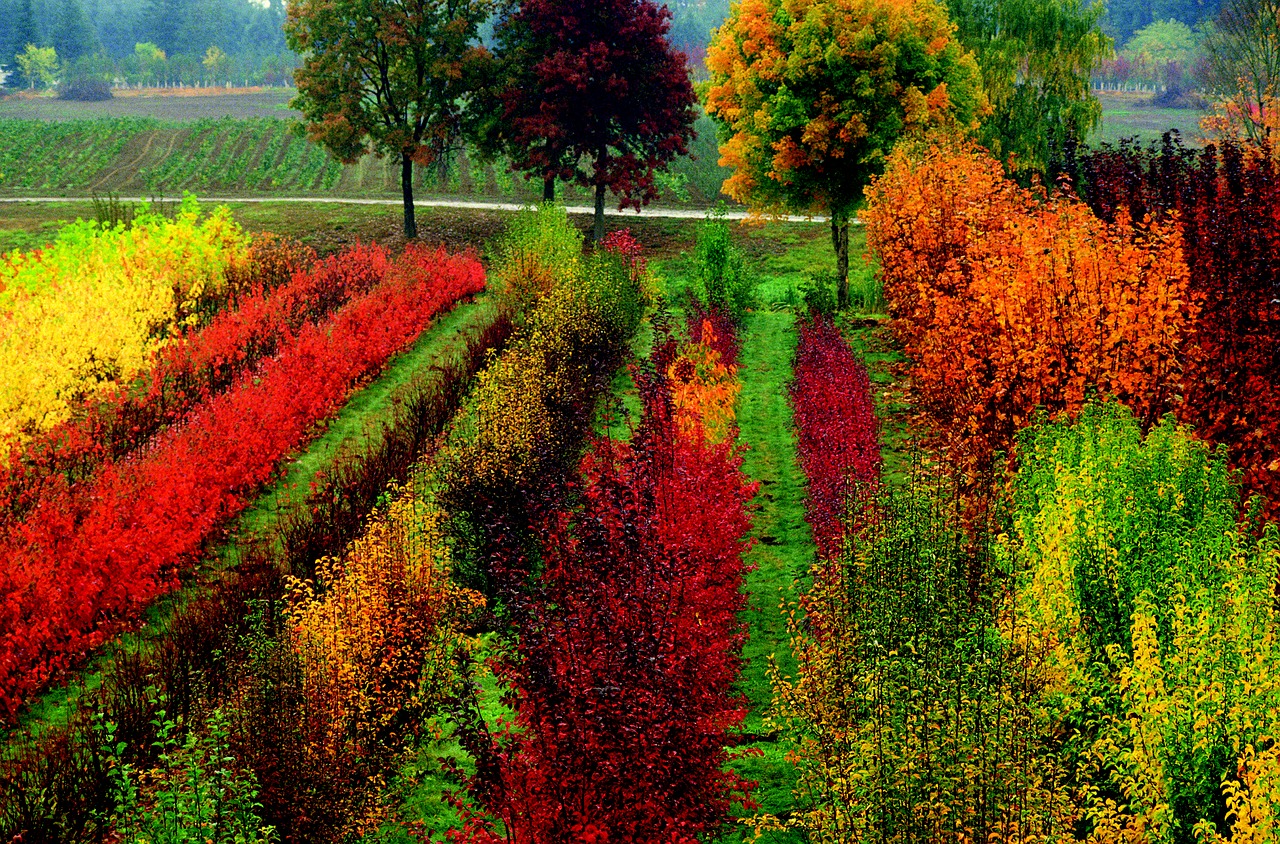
(92, 308)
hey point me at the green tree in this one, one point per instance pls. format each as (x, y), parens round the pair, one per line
(1037, 57)
(811, 95)
(1243, 48)
(215, 63)
(39, 65)
(389, 77)
(1156, 48)
(149, 61)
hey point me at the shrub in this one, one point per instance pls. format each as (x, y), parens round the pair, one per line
(1007, 302)
(625, 649)
(539, 250)
(87, 313)
(1225, 203)
(837, 433)
(1156, 611)
(723, 281)
(93, 557)
(909, 718)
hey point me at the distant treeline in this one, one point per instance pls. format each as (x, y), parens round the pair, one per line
(250, 34)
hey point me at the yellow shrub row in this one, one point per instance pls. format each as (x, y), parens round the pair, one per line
(92, 308)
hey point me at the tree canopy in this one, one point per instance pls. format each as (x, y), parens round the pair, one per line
(591, 91)
(811, 96)
(1037, 57)
(389, 77)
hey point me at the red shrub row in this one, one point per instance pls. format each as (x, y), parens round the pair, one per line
(836, 429)
(186, 372)
(57, 786)
(626, 650)
(94, 556)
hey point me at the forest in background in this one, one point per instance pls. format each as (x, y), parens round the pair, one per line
(103, 36)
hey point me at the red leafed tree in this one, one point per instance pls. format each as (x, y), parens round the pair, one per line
(591, 91)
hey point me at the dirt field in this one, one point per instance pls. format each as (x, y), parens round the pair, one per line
(169, 106)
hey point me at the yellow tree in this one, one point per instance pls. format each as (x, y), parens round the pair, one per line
(811, 95)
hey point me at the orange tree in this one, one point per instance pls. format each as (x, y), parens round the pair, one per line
(393, 77)
(811, 95)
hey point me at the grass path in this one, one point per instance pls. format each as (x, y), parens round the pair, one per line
(784, 544)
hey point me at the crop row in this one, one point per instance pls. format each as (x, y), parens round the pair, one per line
(283, 290)
(1118, 639)
(224, 646)
(627, 643)
(837, 434)
(89, 559)
(88, 312)
(38, 155)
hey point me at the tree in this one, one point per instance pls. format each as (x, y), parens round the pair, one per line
(811, 95)
(151, 62)
(1037, 57)
(39, 65)
(391, 77)
(215, 63)
(592, 80)
(24, 33)
(1243, 48)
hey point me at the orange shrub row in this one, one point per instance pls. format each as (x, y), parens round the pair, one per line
(1009, 300)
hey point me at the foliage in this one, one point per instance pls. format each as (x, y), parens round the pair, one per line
(1036, 57)
(1243, 47)
(191, 796)
(1226, 203)
(1157, 614)
(119, 540)
(87, 313)
(378, 640)
(724, 284)
(1163, 51)
(811, 96)
(39, 65)
(114, 422)
(626, 646)
(387, 77)
(704, 387)
(539, 249)
(57, 785)
(837, 434)
(909, 717)
(1007, 302)
(592, 80)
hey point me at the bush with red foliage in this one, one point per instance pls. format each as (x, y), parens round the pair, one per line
(57, 786)
(192, 369)
(837, 433)
(1227, 201)
(91, 558)
(626, 649)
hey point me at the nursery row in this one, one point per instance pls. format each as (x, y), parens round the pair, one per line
(89, 311)
(217, 675)
(623, 650)
(1008, 301)
(1106, 670)
(284, 289)
(89, 556)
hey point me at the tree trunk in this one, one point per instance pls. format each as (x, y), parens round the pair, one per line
(598, 234)
(406, 185)
(549, 189)
(840, 240)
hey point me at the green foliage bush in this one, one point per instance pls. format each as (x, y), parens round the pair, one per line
(723, 280)
(1158, 612)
